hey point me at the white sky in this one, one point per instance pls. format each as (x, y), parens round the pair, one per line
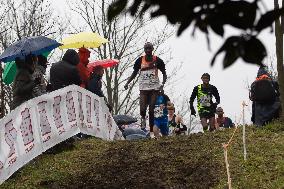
(196, 58)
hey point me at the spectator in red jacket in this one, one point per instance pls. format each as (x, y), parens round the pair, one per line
(84, 72)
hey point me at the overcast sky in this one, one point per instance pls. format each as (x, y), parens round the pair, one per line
(194, 54)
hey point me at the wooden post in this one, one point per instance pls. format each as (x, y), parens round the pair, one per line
(227, 167)
(244, 131)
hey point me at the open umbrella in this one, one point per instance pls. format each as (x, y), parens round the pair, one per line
(10, 71)
(29, 45)
(83, 39)
(107, 63)
(124, 119)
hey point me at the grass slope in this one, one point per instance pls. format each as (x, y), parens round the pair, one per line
(194, 161)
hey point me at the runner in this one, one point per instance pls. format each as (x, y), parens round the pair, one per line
(206, 108)
(149, 84)
(161, 115)
(221, 121)
(175, 122)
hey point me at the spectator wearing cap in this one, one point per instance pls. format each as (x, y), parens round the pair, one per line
(264, 94)
(222, 121)
(84, 72)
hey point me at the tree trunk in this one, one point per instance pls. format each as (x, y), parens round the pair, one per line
(279, 54)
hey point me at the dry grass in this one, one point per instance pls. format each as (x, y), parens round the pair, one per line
(194, 161)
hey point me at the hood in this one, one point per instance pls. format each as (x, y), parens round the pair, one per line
(71, 56)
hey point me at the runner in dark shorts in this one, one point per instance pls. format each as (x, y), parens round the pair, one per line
(206, 108)
(149, 84)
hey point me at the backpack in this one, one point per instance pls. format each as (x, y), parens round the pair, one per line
(263, 91)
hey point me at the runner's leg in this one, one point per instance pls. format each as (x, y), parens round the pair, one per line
(212, 123)
(204, 123)
(153, 96)
(143, 107)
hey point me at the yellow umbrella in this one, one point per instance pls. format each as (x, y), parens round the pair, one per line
(83, 39)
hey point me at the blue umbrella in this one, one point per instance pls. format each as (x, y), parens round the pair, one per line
(29, 45)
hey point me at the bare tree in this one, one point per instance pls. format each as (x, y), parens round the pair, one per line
(127, 37)
(279, 31)
(23, 19)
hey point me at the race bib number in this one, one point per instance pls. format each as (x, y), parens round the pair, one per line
(171, 131)
(149, 76)
(158, 112)
(205, 101)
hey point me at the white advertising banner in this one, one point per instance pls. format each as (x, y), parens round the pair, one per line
(45, 121)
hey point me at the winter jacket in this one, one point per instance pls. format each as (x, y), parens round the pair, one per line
(265, 112)
(64, 72)
(22, 88)
(39, 89)
(95, 85)
(84, 73)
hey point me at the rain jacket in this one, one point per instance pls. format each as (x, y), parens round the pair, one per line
(64, 72)
(84, 71)
(263, 113)
(39, 89)
(22, 87)
(95, 85)
(84, 74)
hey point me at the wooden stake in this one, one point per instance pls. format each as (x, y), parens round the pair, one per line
(244, 131)
(227, 166)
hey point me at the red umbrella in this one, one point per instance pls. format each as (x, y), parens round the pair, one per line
(107, 63)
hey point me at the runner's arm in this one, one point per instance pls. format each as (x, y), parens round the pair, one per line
(193, 96)
(161, 66)
(136, 68)
(216, 95)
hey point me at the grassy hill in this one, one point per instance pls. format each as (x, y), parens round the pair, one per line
(195, 161)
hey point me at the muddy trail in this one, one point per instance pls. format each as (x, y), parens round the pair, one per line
(195, 161)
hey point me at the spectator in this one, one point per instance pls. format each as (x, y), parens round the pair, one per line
(95, 84)
(40, 69)
(149, 84)
(221, 121)
(176, 125)
(84, 72)
(23, 84)
(206, 108)
(264, 94)
(64, 72)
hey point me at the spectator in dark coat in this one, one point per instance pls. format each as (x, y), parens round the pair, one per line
(264, 112)
(40, 69)
(95, 83)
(24, 84)
(64, 72)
